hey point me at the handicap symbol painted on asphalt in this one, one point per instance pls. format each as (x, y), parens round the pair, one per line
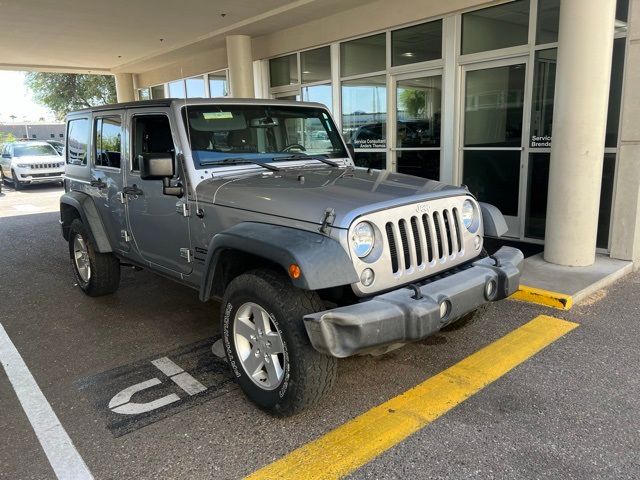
(133, 396)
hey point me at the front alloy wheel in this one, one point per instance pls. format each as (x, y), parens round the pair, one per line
(259, 346)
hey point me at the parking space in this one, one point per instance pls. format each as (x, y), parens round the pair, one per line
(134, 382)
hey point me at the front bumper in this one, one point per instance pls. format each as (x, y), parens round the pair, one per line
(397, 317)
(39, 176)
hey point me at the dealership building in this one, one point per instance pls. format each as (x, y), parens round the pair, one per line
(532, 104)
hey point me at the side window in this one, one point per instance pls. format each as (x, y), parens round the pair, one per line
(77, 138)
(151, 134)
(108, 142)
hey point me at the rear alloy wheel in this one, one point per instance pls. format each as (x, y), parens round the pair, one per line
(96, 273)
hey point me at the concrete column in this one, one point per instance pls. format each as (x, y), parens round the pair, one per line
(625, 231)
(124, 87)
(585, 45)
(240, 63)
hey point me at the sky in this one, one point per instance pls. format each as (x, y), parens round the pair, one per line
(16, 100)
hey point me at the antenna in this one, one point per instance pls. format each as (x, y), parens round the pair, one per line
(188, 127)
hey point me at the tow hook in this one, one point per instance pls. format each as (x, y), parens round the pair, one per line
(417, 294)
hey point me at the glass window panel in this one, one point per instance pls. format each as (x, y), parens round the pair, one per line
(283, 70)
(176, 89)
(416, 44)
(364, 112)
(144, 94)
(418, 112)
(548, 21)
(493, 107)
(77, 140)
(615, 93)
(218, 85)
(377, 160)
(316, 65)
(622, 10)
(318, 93)
(421, 163)
(108, 142)
(537, 185)
(544, 82)
(157, 91)
(363, 55)
(491, 28)
(606, 199)
(195, 87)
(493, 177)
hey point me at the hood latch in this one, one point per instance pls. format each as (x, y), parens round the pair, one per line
(327, 221)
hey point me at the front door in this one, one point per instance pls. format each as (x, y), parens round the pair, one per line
(415, 133)
(492, 135)
(158, 225)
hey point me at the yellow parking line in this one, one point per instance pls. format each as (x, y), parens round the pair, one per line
(547, 298)
(348, 447)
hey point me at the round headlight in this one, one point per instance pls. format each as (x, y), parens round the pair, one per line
(469, 214)
(362, 239)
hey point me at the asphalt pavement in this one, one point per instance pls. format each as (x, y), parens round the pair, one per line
(569, 411)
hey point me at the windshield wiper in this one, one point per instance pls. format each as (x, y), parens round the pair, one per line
(241, 160)
(308, 157)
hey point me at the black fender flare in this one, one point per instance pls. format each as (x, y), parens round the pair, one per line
(322, 260)
(89, 215)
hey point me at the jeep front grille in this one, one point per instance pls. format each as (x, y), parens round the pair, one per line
(420, 239)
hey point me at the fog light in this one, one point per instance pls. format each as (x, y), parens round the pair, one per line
(477, 242)
(490, 289)
(445, 307)
(367, 276)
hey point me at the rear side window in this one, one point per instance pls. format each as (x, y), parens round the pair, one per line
(108, 142)
(77, 139)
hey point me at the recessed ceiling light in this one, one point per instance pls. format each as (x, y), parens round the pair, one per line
(408, 54)
(306, 72)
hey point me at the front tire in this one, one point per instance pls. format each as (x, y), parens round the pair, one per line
(267, 345)
(96, 273)
(17, 184)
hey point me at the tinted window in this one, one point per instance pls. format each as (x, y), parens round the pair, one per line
(283, 70)
(416, 44)
(363, 55)
(495, 27)
(77, 138)
(548, 21)
(151, 134)
(316, 65)
(108, 142)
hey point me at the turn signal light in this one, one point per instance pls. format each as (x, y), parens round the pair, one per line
(294, 271)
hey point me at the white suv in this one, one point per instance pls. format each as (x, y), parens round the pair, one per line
(29, 162)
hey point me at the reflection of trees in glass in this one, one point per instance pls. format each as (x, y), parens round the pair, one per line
(413, 102)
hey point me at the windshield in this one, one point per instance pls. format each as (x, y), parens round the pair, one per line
(33, 150)
(260, 133)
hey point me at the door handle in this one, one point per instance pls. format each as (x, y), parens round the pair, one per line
(98, 183)
(132, 190)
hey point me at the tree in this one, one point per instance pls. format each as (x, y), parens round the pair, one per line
(6, 137)
(413, 101)
(64, 92)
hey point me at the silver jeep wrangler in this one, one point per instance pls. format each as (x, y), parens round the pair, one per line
(257, 204)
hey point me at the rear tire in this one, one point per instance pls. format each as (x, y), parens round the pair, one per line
(96, 273)
(300, 376)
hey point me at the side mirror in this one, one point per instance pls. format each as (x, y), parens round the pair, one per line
(156, 166)
(352, 151)
(159, 166)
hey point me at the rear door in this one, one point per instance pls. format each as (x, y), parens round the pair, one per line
(106, 179)
(158, 224)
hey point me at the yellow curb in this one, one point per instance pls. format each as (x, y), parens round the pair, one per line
(561, 301)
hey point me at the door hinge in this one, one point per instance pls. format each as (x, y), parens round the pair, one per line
(183, 209)
(122, 197)
(186, 254)
(125, 236)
